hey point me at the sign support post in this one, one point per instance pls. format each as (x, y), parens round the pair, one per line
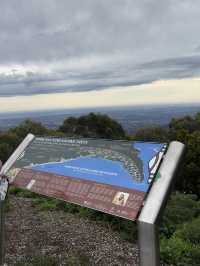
(2, 231)
(148, 221)
(4, 190)
(3, 193)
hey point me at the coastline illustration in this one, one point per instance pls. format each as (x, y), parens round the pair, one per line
(125, 164)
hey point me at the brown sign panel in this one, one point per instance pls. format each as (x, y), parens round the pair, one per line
(109, 176)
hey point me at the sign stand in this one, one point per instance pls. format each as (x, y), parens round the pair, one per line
(3, 193)
(2, 232)
(148, 221)
(67, 175)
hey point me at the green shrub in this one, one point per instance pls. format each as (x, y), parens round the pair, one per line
(68, 207)
(45, 204)
(180, 209)
(22, 193)
(183, 248)
(38, 261)
(190, 232)
(178, 252)
(76, 259)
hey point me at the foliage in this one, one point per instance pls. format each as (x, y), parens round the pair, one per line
(157, 134)
(186, 130)
(180, 231)
(29, 126)
(190, 232)
(5, 151)
(178, 252)
(8, 142)
(186, 123)
(22, 193)
(38, 260)
(93, 125)
(183, 248)
(189, 176)
(76, 259)
(181, 208)
(11, 139)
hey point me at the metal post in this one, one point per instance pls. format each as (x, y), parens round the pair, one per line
(3, 193)
(23, 145)
(148, 244)
(2, 231)
(148, 221)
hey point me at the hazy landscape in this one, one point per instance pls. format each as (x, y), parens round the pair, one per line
(131, 118)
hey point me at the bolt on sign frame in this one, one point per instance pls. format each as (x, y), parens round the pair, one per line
(126, 179)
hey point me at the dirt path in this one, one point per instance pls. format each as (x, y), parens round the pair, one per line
(32, 233)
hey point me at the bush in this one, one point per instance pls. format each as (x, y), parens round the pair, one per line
(190, 232)
(178, 252)
(29, 126)
(75, 259)
(45, 204)
(22, 192)
(157, 134)
(38, 261)
(183, 247)
(180, 209)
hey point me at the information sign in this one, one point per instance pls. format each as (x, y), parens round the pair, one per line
(105, 175)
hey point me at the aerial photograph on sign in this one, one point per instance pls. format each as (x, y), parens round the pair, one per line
(90, 172)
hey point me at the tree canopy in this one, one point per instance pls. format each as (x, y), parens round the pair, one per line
(93, 125)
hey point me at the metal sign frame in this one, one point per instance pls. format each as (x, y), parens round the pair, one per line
(148, 221)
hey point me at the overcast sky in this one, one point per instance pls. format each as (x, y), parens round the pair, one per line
(128, 52)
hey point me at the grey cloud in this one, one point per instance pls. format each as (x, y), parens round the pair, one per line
(123, 75)
(148, 40)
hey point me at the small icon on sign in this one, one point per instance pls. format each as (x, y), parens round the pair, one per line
(13, 173)
(120, 198)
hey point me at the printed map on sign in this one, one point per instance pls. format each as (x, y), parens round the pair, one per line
(110, 176)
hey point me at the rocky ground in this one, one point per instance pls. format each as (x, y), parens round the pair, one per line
(61, 238)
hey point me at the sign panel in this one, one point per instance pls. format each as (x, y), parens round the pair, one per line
(110, 176)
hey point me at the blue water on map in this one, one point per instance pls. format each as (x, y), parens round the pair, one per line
(104, 171)
(94, 169)
(147, 152)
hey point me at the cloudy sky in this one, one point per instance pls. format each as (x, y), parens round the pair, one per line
(70, 54)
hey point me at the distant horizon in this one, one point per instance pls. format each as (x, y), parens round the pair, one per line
(131, 118)
(96, 109)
